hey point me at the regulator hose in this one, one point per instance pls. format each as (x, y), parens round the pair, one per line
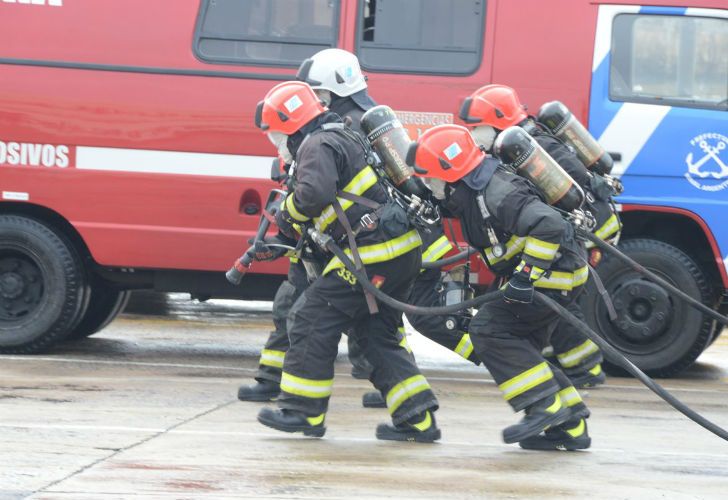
(611, 353)
(437, 264)
(653, 277)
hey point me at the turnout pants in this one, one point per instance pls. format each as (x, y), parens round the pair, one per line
(272, 355)
(574, 351)
(509, 338)
(425, 293)
(335, 303)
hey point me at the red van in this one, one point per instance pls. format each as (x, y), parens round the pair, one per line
(128, 154)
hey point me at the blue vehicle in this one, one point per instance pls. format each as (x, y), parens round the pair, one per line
(659, 105)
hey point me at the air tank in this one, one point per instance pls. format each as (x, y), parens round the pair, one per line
(564, 125)
(390, 140)
(518, 150)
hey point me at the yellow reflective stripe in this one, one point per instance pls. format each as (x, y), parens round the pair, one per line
(272, 358)
(380, 252)
(513, 247)
(307, 388)
(464, 347)
(316, 420)
(570, 396)
(608, 228)
(425, 424)
(578, 354)
(558, 280)
(540, 249)
(291, 208)
(526, 380)
(293, 260)
(578, 430)
(435, 251)
(596, 370)
(404, 344)
(405, 390)
(365, 179)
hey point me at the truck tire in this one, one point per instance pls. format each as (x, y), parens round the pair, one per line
(659, 333)
(42, 286)
(105, 304)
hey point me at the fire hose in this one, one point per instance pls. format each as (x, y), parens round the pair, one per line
(614, 356)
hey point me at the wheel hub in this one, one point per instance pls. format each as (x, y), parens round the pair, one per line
(21, 287)
(643, 310)
(11, 285)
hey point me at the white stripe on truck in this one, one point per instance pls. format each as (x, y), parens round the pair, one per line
(173, 162)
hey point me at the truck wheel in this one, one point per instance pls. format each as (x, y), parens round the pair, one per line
(658, 332)
(104, 305)
(42, 286)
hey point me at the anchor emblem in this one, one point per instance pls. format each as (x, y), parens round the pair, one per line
(697, 169)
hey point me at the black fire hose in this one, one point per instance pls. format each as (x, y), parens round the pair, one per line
(653, 277)
(437, 264)
(613, 355)
(617, 358)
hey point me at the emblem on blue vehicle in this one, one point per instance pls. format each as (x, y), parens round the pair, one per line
(707, 162)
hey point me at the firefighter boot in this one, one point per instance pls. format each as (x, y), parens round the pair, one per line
(421, 429)
(589, 379)
(292, 421)
(373, 399)
(264, 390)
(539, 416)
(571, 435)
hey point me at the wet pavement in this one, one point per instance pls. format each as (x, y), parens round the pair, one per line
(148, 408)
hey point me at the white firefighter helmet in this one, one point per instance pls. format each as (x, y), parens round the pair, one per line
(335, 70)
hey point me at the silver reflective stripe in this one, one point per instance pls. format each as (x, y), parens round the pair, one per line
(570, 396)
(437, 249)
(464, 347)
(514, 246)
(404, 390)
(577, 354)
(526, 380)
(272, 358)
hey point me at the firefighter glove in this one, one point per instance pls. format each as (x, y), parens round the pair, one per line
(272, 248)
(519, 288)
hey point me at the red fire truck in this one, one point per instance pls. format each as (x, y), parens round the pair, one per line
(129, 158)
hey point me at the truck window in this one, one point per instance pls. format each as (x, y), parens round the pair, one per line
(265, 32)
(421, 36)
(672, 60)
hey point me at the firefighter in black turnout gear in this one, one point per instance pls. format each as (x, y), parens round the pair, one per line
(338, 194)
(492, 109)
(336, 77)
(497, 207)
(337, 80)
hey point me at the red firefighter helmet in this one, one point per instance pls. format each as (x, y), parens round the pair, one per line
(287, 107)
(494, 105)
(446, 152)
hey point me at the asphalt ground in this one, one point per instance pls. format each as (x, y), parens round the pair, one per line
(147, 408)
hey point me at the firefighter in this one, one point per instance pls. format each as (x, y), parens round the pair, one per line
(336, 77)
(340, 195)
(495, 205)
(490, 110)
